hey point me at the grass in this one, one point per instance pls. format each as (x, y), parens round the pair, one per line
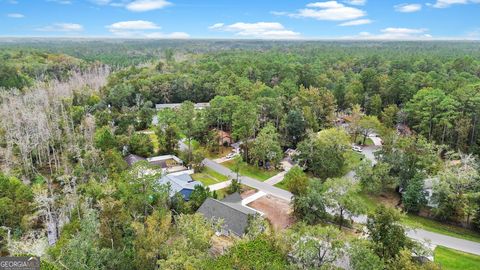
(352, 161)
(251, 171)
(419, 222)
(368, 141)
(222, 193)
(282, 185)
(223, 152)
(154, 139)
(209, 177)
(450, 259)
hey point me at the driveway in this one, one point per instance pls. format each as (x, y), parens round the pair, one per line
(369, 153)
(276, 178)
(376, 140)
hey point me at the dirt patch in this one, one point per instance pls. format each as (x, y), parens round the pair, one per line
(277, 211)
(390, 198)
(247, 192)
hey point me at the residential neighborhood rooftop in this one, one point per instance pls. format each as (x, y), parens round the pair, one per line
(180, 183)
(177, 105)
(230, 211)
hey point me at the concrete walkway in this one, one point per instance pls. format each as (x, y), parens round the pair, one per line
(276, 178)
(253, 197)
(221, 185)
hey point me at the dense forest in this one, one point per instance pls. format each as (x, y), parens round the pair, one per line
(70, 112)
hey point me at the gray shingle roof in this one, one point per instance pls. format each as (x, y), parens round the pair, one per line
(178, 105)
(178, 182)
(230, 210)
(132, 159)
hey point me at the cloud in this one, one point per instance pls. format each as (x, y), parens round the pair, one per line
(356, 2)
(142, 29)
(448, 3)
(329, 11)
(101, 2)
(62, 27)
(15, 15)
(408, 8)
(174, 35)
(356, 22)
(147, 5)
(62, 2)
(261, 30)
(279, 13)
(133, 25)
(394, 33)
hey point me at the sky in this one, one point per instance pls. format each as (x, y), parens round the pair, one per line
(243, 19)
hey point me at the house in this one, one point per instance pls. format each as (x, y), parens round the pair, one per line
(179, 183)
(404, 130)
(428, 190)
(197, 106)
(132, 159)
(168, 163)
(230, 211)
(428, 185)
(224, 138)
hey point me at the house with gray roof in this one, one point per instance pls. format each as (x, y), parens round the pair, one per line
(230, 212)
(132, 159)
(179, 183)
(197, 106)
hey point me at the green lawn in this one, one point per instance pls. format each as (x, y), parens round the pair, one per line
(282, 185)
(368, 141)
(209, 177)
(450, 259)
(223, 152)
(154, 139)
(251, 171)
(222, 193)
(352, 161)
(427, 224)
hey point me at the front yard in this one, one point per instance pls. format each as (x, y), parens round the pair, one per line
(209, 177)
(352, 161)
(223, 151)
(450, 259)
(251, 171)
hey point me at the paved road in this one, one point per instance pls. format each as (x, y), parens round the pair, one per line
(446, 241)
(261, 186)
(417, 234)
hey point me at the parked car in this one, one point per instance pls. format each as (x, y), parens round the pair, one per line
(356, 148)
(231, 155)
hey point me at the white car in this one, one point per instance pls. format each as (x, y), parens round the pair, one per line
(231, 155)
(356, 148)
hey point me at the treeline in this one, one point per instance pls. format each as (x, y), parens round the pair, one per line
(19, 69)
(436, 94)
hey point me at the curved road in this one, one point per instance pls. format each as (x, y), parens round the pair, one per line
(417, 234)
